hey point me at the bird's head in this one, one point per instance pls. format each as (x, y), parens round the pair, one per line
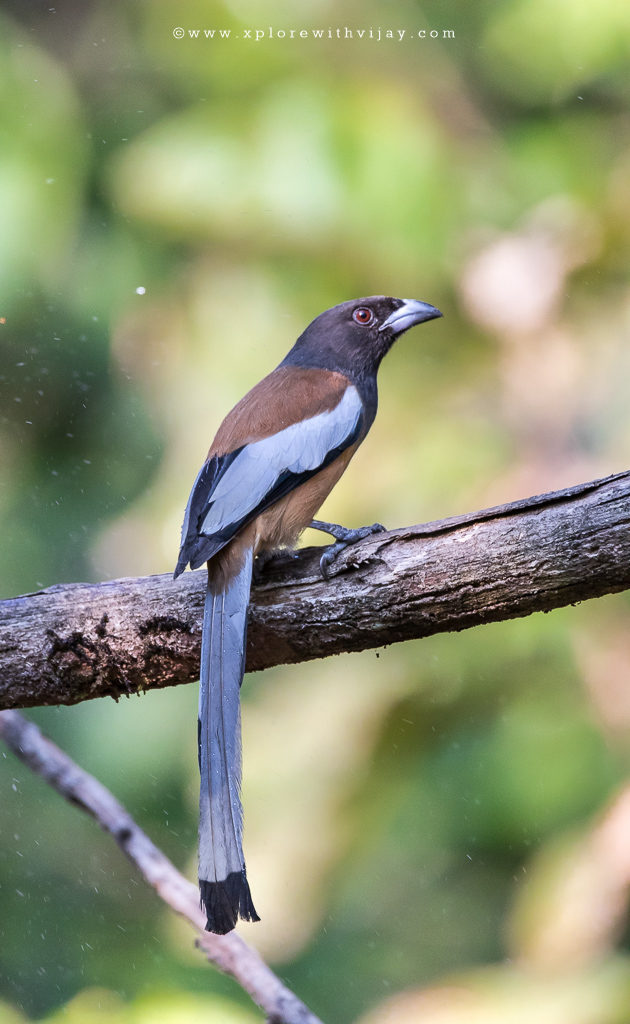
(354, 336)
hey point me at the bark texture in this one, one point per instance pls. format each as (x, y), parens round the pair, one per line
(73, 642)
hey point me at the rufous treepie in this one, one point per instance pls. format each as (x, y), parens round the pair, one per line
(275, 458)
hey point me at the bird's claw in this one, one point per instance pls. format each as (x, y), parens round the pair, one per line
(344, 538)
(266, 559)
(329, 557)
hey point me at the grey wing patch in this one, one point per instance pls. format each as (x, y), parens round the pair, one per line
(299, 449)
(233, 489)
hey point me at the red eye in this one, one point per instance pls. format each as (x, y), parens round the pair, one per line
(363, 316)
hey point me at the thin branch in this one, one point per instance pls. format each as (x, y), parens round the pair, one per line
(77, 641)
(228, 952)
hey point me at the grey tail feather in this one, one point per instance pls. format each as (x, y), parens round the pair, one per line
(224, 889)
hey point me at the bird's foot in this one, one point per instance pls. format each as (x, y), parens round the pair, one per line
(266, 558)
(343, 538)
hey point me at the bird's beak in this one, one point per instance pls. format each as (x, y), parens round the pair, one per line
(412, 312)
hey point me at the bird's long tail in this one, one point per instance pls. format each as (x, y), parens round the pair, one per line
(224, 890)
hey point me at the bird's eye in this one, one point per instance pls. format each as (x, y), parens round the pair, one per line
(363, 316)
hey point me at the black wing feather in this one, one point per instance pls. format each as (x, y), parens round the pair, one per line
(198, 547)
(198, 505)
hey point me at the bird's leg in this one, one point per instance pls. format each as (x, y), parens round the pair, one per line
(343, 538)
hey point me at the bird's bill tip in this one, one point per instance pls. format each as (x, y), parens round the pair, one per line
(412, 312)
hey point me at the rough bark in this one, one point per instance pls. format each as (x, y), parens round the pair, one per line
(74, 642)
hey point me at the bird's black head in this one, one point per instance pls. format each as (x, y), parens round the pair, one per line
(354, 336)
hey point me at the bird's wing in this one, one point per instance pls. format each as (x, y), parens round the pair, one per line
(234, 488)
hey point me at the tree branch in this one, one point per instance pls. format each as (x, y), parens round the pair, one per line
(228, 952)
(77, 641)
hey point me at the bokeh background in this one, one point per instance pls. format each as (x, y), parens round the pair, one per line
(438, 832)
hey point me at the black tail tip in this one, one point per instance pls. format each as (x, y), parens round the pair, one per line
(224, 902)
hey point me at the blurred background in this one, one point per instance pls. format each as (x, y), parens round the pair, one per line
(440, 832)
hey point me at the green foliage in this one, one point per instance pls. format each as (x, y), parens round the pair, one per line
(173, 213)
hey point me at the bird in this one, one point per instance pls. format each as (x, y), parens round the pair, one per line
(275, 458)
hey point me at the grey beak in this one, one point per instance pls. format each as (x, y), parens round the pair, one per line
(412, 312)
